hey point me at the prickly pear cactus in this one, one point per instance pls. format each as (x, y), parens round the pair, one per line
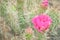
(16, 19)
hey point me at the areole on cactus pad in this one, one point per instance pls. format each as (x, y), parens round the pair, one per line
(42, 22)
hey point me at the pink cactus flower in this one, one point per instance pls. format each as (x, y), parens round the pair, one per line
(44, 3)
(41, 22)
(29, 30)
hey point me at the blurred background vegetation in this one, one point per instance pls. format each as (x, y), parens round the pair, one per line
(15, 19)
